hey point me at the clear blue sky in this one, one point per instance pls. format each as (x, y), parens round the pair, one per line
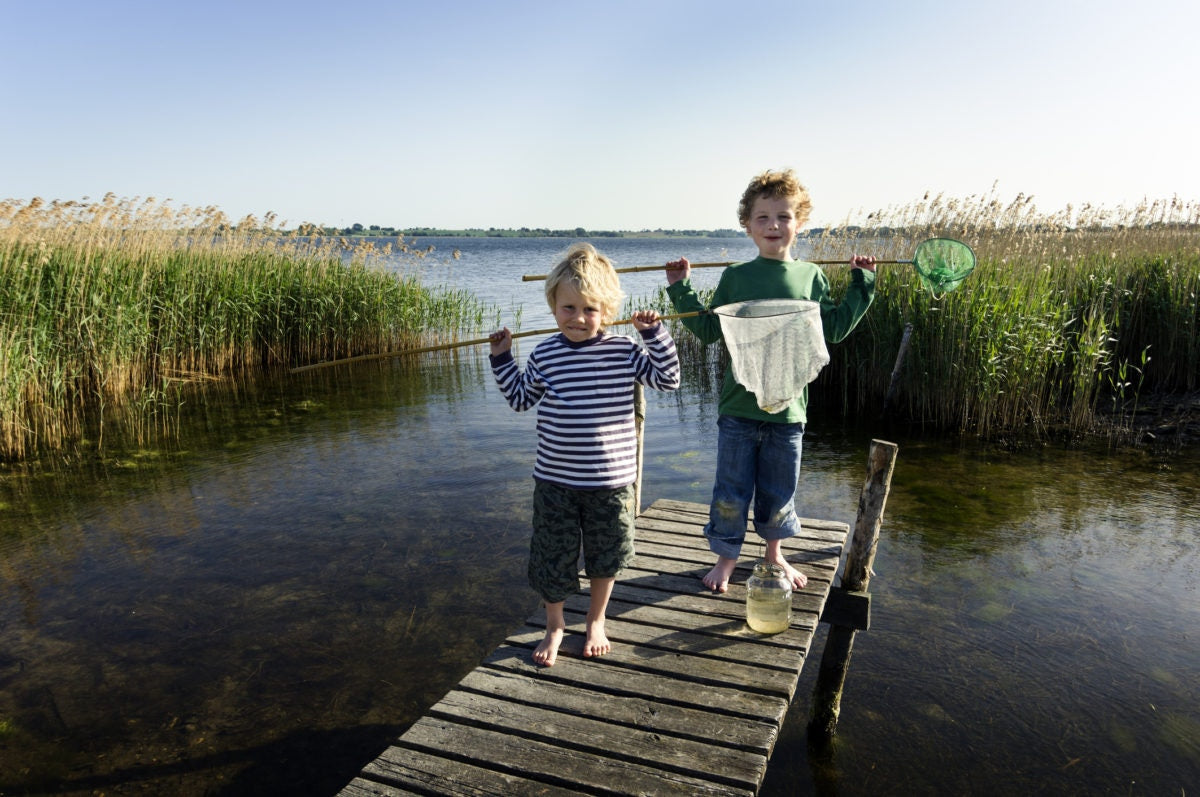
(604, 115)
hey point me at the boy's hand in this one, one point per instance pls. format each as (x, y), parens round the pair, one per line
(644, 319)
(678, 270)
(500, 341)
(863, 262)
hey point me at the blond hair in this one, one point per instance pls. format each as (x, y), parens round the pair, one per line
(776, 185)
(592, 274)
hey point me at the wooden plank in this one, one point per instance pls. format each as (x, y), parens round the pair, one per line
(734, 701)
(601, 736)
(556, 762)
(687, 631)
(689, 701)
(402, 771)
(682, 669)
(629, 709)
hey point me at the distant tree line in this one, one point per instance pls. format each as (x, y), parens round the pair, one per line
(376, 230)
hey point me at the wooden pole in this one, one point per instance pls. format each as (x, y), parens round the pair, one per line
(460, 343)
(723, 264)
(856, 576)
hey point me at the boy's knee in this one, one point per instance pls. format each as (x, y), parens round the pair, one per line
(728, 510)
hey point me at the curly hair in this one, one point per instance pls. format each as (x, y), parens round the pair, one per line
(592, 274)
(776, 185)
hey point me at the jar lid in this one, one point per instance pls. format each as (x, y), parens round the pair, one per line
(763, 567)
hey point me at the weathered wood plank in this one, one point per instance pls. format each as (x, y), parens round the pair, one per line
(555, 762)
(739, 645)
(402, 771)
(684, 669)
(733, 701)
(633, 710)
(686, 630)
(602, 737)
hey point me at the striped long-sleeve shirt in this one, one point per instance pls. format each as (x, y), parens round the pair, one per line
(587, 439)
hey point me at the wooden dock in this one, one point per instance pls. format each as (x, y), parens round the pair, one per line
(690, 700)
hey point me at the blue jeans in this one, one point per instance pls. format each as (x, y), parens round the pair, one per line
(757, 461)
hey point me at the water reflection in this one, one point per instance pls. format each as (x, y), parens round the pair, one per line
(261, 607)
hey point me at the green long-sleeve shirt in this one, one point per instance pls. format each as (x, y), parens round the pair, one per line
(764, 278)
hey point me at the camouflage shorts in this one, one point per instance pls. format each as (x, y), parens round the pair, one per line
(564, 521)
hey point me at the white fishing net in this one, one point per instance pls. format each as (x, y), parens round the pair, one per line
(777, 346)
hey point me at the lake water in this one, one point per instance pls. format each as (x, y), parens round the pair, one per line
(260, 607)
(494, 267)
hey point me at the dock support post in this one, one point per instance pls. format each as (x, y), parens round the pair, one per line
(856, 576)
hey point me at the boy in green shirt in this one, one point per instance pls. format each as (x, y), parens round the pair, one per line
(758, 453)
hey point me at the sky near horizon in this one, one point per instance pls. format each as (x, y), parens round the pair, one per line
(603, 115)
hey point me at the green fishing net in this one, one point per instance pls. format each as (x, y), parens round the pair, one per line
(943, 264)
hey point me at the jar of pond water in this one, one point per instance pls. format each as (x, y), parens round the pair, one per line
(768, 599)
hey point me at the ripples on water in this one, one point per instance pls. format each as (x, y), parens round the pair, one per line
(261, 607)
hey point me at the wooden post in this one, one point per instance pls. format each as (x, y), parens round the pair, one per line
(856, 576)
(639, 421)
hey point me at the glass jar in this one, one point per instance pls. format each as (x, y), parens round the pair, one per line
(768, 599)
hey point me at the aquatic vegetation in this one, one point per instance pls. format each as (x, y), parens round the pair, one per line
(113, 306)
(1067, 321)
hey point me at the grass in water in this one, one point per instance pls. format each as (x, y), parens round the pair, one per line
(118, 303)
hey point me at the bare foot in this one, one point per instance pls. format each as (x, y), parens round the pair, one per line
(718, 578)
(597, 643)
(547, 651)
(798, 579)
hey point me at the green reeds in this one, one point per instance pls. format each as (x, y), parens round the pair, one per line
(115, 303)
(1068, 320)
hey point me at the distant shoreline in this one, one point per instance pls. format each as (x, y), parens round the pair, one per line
(376, 231)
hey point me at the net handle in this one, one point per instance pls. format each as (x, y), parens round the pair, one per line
(460, 343)
(722, 264)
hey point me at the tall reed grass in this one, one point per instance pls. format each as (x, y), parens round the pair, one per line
(1070, 320)
(117, 303)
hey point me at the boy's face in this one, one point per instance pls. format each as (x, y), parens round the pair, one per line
(578, 319)
(773, 227)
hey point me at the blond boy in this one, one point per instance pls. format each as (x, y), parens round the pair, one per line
(582, 381)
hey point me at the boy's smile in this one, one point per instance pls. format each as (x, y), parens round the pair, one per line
(578, 319)
(773, 227)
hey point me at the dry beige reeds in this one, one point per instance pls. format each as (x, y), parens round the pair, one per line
(112, 303)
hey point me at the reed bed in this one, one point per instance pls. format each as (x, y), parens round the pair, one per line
(116, 304)
(1069, 323)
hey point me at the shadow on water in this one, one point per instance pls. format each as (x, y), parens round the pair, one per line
(304, 762)
(261, 607)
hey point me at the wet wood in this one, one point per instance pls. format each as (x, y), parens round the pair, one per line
(690, 700)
